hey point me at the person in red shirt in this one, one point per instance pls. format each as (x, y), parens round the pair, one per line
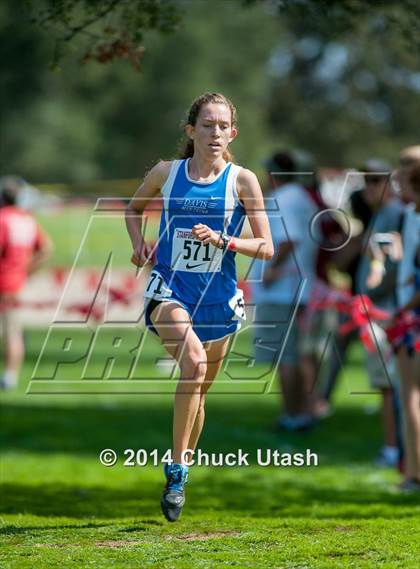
(23, 248)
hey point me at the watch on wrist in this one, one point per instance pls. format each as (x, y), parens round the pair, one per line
(224, 241)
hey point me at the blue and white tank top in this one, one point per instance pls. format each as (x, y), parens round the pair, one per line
(191, 270)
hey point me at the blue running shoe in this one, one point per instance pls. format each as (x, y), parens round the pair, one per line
(166, 468)
(173, 497)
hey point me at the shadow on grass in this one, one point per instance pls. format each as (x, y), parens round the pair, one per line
(212, 495)
(350, 436)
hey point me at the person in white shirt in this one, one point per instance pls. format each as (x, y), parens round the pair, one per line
(281, 287)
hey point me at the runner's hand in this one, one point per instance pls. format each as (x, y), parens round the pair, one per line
(141, 254)
(206, 235)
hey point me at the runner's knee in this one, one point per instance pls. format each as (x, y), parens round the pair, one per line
(194, 364)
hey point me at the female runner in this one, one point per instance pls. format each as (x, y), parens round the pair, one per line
(192, 300)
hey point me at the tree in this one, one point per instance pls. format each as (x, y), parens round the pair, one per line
(340, 97)
(335, 20)
(103, 30)
(355, 79)
(108, 121)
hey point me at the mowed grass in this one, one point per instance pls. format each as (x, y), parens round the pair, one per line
(85, 236)
(61, 508)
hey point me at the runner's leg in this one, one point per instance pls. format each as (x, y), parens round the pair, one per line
(173, 324)
(216, 352)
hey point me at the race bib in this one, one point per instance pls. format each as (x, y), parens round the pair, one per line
(156, 287)
(190, 254)
(237, 304)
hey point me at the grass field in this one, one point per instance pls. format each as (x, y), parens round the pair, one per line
(61, 508)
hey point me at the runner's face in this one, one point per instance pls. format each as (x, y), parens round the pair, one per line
(213, 130)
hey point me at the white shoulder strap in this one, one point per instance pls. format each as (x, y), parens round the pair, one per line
(231, 199)
(167, 187)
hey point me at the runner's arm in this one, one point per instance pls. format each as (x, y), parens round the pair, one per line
(261, 245)
(152, 184)
(249, 192)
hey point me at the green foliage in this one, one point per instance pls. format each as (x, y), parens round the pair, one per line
(357, 97)
(105, 29)
(109, 121)
(332, 78)
(336, 20)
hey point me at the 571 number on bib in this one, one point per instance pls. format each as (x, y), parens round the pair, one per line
(190, 254)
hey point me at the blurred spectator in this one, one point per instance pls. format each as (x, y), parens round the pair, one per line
(409, 159)
(331, 232)
(347, 260)
(283, 286)
(23, 248)
(376, 277)
(318, 325)
(408, 359)
(363, 203)
(409, 156)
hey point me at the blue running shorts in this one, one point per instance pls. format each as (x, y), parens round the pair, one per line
(210, 322)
